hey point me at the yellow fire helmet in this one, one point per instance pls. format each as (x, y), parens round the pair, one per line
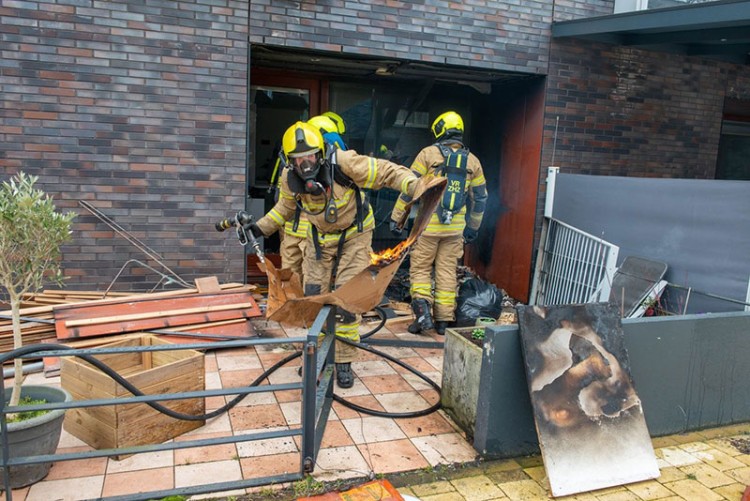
(323, 123)
(448, 124)
(302, 139)
(340, 125)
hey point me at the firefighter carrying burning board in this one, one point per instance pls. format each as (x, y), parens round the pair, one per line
(326, 184)
(442, 242)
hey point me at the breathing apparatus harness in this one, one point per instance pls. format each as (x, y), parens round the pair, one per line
(327, 173)
(454, 168)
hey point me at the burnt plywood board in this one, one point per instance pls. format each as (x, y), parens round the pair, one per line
(589, 419)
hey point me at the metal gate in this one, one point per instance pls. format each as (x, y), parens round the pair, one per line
(573, 267)
(317, 397)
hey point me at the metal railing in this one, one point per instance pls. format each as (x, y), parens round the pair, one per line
(573, 267)
(317, 396)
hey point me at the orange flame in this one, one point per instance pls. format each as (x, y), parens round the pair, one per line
(390, 255)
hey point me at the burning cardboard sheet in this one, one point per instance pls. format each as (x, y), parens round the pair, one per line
(286, 301)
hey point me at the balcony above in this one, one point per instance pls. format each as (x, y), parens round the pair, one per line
(715, 30)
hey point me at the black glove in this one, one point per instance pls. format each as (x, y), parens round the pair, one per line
(470, 235)
(396, 230)
(255, 230)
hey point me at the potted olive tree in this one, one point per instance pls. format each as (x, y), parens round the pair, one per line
(31, 233)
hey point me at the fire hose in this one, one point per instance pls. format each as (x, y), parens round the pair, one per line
(242, 222)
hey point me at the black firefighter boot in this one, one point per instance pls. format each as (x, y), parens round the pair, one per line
(422, 310)
(344, 375)
(440, 326)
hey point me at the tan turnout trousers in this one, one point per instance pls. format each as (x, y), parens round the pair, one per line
(443, 252)
(355, 257)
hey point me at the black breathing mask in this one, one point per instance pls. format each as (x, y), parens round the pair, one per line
(308, 171)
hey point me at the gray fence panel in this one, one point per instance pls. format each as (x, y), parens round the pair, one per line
(700, 228)
(690, 372)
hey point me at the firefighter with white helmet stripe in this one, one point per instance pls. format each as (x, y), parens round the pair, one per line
(442, 242)
(327, 185)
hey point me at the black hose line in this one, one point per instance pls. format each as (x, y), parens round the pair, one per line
(187, 417)
(383, 318)
(393, 415)
(135, 391)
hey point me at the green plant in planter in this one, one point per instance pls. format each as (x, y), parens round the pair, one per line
(31, 233)
(477, 334)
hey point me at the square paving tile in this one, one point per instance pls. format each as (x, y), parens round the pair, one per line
(372, 429)
(396, 455)
(336, 435)
(377, 367)
(233, 362)
(238, 378)
(431, 424)
(340, 462)
(256, 416)
(445, 449)
(120, 484)
(144, 461)
(193, 455)
(202, 473)
(275, 464)
(390, 383)
(80, 488)
(78, 468)
(366, 401)
(401, 402)
(358, 390)
(268, 446)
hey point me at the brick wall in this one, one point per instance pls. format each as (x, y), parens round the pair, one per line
(629, 112)
(566, 10)
(139, 109)
(501, 35)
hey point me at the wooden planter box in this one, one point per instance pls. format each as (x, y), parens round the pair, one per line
(155, 372)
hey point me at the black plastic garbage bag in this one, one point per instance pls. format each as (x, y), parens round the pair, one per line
(476, 299)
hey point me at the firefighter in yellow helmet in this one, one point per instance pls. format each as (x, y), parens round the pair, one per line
(329, 130)
(456, 221)
(294, 237)
(327, 188)
(336, 118)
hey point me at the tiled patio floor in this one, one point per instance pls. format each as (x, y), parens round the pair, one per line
(694, 467)
(354, 445)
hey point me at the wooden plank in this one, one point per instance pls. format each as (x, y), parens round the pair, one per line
(207, 284)
(151, 314)
(231, 288)
(158, 323)
(141, 304)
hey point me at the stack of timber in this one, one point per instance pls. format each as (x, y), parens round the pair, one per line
(156, 311)
(210, 308)
(31, 331)
(53, 297)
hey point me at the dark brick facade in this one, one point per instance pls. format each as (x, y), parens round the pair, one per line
(629, 112)
(139, 109)
(498, 35)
